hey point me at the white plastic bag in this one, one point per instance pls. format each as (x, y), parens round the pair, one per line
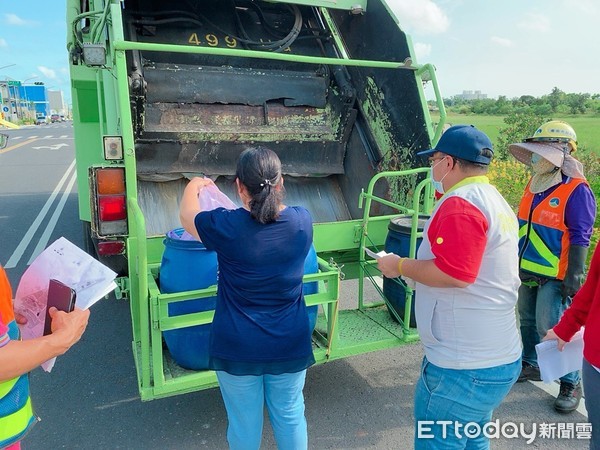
(211, 197)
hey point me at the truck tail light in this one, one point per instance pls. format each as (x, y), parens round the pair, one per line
(110, 248)
(110, 204)
(110, 181)
(111, 208)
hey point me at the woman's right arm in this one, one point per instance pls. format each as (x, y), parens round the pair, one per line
(19, 357)
(190, 206)
(575, 316)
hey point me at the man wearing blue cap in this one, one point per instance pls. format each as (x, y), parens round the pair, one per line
(466, 275)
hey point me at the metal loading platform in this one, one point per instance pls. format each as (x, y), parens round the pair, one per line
(341, 330)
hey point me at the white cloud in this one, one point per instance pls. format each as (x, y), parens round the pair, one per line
(588, 7)
(3, 43)
(502, 42)
(422, 50)
(13, 19)
(536, 22)
(420, 16)
(48, 73)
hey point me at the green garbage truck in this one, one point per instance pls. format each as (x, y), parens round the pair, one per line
(164, 91)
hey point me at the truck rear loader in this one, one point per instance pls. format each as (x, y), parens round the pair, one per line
(164, 91)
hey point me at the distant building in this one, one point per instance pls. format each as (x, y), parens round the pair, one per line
(471, 95)
(35, 98)
(20, 101)
(10, 100)
(57, 103)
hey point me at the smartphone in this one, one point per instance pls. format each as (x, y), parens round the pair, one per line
(62, 297)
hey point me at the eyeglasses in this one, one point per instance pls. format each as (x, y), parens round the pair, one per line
(433, 160)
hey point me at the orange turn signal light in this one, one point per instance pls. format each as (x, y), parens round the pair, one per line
(110, 181)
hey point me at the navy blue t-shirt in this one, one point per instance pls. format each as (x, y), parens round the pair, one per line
(260, 324)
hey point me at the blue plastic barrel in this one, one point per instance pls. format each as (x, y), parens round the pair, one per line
(398, 242)
(187, 265)
(311, 265)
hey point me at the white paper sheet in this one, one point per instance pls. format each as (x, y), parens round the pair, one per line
(554, 363)
(67, 263)
(374, 255)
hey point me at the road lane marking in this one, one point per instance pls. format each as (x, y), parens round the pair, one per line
(52, 147)
(43, 242)
(20, 144)
(18, 253)
(14, 138)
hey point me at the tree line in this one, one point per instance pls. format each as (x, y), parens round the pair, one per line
(556, 102)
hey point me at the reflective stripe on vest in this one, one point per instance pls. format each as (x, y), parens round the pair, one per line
(16, 412)
(543, 237)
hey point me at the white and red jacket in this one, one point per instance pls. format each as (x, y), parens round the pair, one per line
(472, 236)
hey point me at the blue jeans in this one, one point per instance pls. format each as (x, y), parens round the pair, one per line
(540, 308)
(458, 397)
(245, 397)
(591, 387)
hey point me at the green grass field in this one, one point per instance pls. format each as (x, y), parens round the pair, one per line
(586, 127)
(510, 180)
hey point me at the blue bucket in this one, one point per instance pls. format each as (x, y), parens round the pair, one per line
(398, 242)
(187, 265)
(311, 265)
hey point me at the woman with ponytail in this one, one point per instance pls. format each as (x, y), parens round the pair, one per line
(260, 345)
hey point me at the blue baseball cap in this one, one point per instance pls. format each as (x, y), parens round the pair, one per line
(463, 142)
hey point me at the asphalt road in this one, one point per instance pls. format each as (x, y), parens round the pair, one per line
(90, 400)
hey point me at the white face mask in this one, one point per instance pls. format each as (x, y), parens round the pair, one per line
(438, 185)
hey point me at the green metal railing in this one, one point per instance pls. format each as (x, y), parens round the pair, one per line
(422, 191)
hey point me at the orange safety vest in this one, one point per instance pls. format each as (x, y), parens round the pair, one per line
(16, 412)
(543, 236)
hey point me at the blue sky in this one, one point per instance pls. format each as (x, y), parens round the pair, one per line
(32, 37)
(508, 47)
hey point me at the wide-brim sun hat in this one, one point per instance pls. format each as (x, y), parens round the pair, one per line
(555, 152)
(552, 151)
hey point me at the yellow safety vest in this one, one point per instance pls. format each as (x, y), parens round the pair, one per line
(16, 412)
(543, 234)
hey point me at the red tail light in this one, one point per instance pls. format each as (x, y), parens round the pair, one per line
(110, 201)
(109, 248)
(111, 208)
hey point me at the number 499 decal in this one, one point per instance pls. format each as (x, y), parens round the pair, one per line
(212, 40)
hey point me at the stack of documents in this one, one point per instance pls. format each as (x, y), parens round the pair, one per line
(67, 263)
